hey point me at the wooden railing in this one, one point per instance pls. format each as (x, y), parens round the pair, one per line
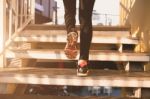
(15, 16)
(19, 13)
(125, 8)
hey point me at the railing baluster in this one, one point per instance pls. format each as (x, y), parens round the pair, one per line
(26, 9)
(2, 30)
(10, 19)
(33, 11)
(16, 17)
(20, 14)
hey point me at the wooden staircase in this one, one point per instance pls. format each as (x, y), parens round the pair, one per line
(45, 43)
(53, 76)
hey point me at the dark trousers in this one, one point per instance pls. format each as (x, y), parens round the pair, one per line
(85, 18)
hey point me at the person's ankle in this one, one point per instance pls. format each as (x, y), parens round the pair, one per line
(82, 63)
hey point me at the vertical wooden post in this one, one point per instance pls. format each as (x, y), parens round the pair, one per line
(16, 17)
(2, 30)
(121, 13)
(33, 11)
(137, 92)
(120, 48)
(21, 13)
(127, 66)
(10, 19)
(3, 87)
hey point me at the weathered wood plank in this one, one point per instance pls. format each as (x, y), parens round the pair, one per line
(20, 89)
(47, 76)
(8, 96)
(2, 31)
(63, 33)
(62, 27)
(62, 39)
(94, 55)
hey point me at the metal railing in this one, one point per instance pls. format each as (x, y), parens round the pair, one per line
(16, 15)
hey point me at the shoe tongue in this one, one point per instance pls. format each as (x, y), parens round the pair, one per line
(82, 64)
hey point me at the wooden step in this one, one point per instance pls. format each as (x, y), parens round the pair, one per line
(49, 76)
(9, 96)
(54, 45)
(94, 55)
(62, 39)
(60, 29)
(27, 33)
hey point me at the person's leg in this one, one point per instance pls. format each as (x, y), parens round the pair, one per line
(85, 17)
(72, 36)
(70, 12)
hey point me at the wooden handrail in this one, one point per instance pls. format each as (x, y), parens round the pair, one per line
(126, 6)
(10, 7)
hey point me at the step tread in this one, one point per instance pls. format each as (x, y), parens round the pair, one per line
(7, 96)
(58, 54)
(62, 39)
(55, 76)
(57, 32)
(62, 27)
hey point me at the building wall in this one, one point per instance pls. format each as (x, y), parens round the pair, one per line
(45, 10)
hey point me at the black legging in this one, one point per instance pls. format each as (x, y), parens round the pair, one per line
(85, 18)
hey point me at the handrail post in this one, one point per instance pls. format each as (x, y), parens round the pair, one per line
(10, 19)
(33, 11)
(16, 17)
(2, 30)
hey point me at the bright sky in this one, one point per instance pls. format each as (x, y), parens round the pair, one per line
(101, 6)
(107, 6)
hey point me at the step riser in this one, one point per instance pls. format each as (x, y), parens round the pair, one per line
(68, 77)
(52, 46)
(62, 27)
(28, 33)
(76, 82)
(62, 39)
(59, 55)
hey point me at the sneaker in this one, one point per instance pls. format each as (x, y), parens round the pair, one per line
(82, 71)
(71, 45)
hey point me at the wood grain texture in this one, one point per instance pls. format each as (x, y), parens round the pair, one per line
(62, 39)
(55, 54)
(6, 96)
(62, 27)
(47, 76)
